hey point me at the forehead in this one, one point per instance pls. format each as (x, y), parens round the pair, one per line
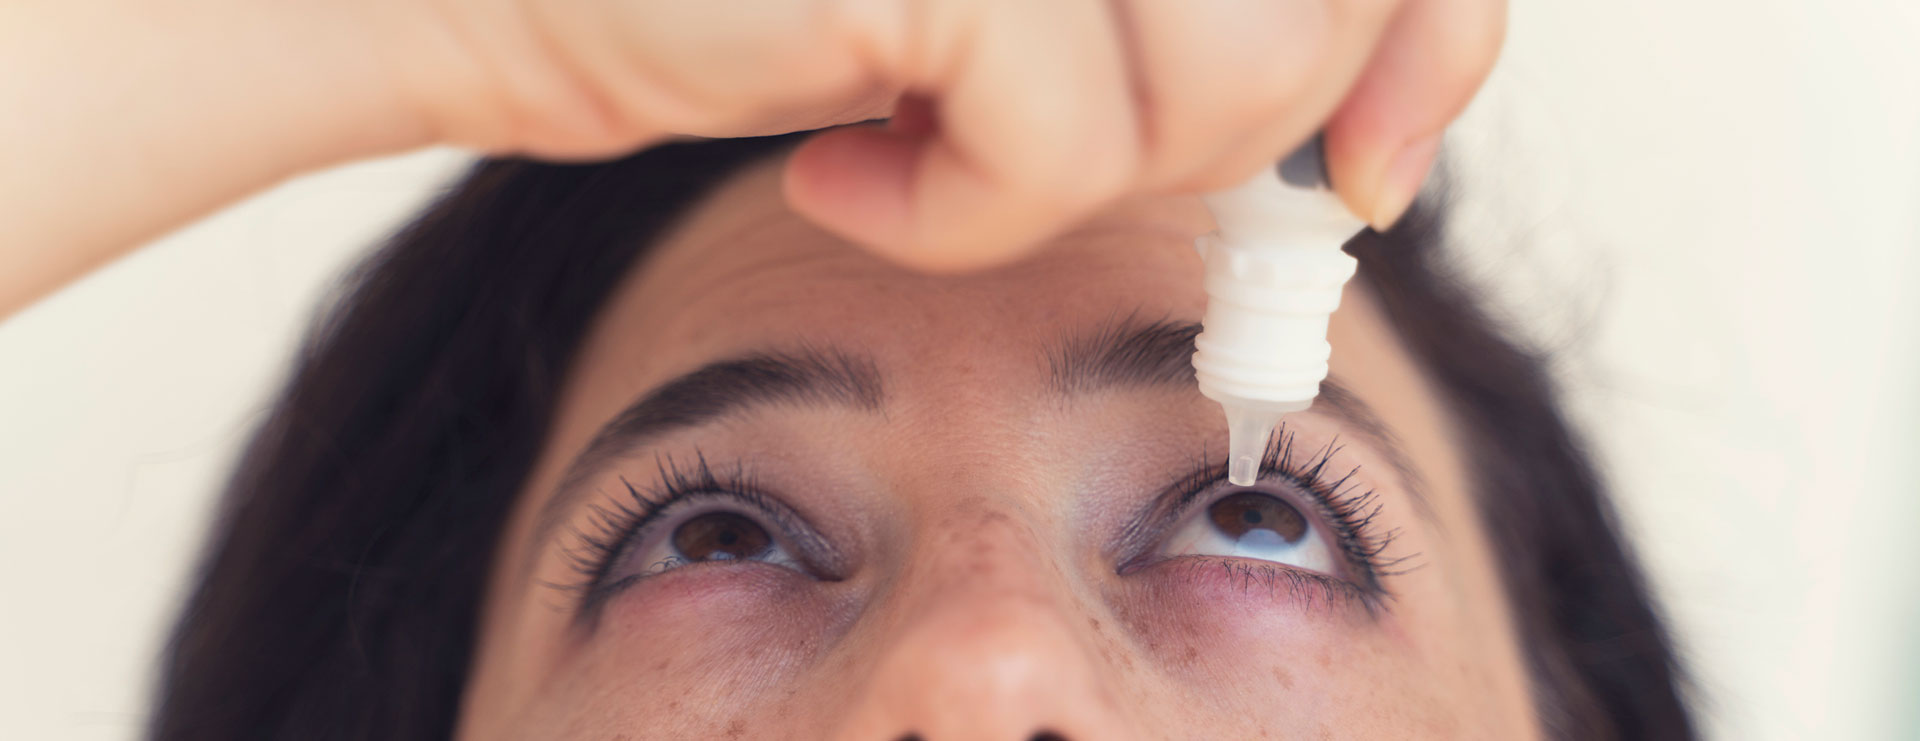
(743, 273)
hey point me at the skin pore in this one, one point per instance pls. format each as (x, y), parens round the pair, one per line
(972, 498)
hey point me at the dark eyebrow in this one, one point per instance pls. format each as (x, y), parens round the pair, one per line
(715, 390)
(1125, 352)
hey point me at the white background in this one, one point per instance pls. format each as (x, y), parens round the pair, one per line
(1709, 210)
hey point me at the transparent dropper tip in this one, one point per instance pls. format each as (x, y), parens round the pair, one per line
(1248, 429)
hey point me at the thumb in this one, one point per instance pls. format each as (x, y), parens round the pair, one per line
(1382, 141)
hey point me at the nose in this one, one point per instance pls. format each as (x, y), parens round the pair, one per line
(981, 640)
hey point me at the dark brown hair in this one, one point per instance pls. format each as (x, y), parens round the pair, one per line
(341, 590)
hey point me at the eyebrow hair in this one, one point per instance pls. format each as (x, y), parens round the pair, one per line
(1126, 353)
(806, 376)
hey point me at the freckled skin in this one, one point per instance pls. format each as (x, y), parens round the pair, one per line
(1282, 676)
(978, 517)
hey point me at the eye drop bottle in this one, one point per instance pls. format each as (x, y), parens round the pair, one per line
(1274, 272)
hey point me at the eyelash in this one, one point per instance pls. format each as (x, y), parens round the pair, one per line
(1346, 510)
(1343, 506)
(612, 530)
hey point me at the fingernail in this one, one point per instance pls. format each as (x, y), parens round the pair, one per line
(1402, 180)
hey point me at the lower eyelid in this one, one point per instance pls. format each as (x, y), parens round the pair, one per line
(697, 580)
(1226, 577)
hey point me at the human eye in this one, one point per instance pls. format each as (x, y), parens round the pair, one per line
(707, 530)
(690, 518)
(1251, 523)
(1303, 525)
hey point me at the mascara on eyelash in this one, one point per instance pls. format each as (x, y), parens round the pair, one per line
(615, 532)
(611, 529)
(1348, 510)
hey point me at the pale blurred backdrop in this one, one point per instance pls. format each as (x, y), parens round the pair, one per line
(1710, 210)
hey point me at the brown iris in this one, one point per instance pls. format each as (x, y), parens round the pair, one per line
(1246, 512)
(720, 536)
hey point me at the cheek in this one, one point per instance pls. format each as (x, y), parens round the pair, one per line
(1273, 660)
(708, 651)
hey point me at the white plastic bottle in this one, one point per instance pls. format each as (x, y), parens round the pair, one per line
(1274, 272)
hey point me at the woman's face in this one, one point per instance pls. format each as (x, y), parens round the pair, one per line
(792, 491)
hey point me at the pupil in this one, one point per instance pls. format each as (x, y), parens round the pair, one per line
(719, 536)
(1242, 513)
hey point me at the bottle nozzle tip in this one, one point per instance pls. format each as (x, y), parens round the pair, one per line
(1243, 470)
(1248, 430)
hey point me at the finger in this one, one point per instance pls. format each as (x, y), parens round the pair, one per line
(1382, 141)
(1227, 83)
(747, 68)
(1033, 129)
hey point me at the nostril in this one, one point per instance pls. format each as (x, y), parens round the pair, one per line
(1047, 736)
